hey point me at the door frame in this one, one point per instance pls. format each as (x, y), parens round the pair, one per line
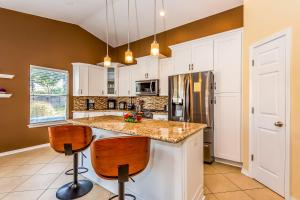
(287, 33)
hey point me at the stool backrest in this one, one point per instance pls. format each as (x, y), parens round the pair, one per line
(79, 136)
(107, 154)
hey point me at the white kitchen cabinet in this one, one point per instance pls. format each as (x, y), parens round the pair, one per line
(96, 82)
(181, 59)
(80, 79)
(77, 115)
(202, 55)
(228, 62)
(111, 80)
(160, 117)
(195, 56)
(148, 68)
(125, 81)
(133, 71)
(227, 126)
(165, 70)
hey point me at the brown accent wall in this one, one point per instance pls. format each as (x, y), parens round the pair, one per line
(25, 40)
(218, 23)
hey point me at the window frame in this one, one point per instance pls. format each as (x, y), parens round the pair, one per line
(51, 123)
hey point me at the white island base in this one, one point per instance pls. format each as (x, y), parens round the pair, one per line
(174, 172)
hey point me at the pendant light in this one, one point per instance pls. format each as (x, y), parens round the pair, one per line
(107, 59)
(128, 53)
(155, 45)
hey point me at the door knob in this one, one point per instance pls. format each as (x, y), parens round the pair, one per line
(278, 123)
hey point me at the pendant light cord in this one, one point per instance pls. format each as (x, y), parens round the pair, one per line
(154, 20)
(106, 13)
(128, 28)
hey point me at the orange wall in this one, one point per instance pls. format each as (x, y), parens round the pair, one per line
(263, 18)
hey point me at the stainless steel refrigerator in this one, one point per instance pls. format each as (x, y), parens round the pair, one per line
(191, 99)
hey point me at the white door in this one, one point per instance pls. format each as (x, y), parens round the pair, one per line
(96, 81)
(269, 101)
(227, 126)
(228, 62)
(181, 57)
(124, 81)
(203, 55)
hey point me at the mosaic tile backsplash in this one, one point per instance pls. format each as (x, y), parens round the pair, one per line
(150, 102)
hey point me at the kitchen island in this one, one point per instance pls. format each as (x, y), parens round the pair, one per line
(175, 169)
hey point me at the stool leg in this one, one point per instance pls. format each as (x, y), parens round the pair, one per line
(75, 167)
(121, 191)
(77, 188)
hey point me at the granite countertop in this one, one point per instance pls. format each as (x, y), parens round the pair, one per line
(117, 110)
(167, 131)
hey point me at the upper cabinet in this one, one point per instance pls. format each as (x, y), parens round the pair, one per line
(148, 68)
(165, 70)
(96, 83)
(193, 56)
(89, 80)
(111, 80)
(125, 81)
(80, 79)
(228, 62)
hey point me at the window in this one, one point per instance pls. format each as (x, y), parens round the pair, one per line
(48, 95)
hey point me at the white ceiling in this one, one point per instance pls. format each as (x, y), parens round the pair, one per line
(90, 14)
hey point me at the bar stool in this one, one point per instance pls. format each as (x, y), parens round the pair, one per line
(71, 140)
(120, 158)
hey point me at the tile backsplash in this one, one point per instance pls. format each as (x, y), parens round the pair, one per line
(150, 102)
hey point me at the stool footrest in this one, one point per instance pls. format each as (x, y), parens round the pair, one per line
(127, 195)
(81, 170)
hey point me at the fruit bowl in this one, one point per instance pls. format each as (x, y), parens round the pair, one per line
(132, 117)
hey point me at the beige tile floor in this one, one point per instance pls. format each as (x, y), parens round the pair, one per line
(223, 182)
(37, 174)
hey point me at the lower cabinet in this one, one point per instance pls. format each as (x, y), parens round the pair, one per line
(228, 126)
(160, 117)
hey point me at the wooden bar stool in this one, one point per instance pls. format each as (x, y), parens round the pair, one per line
(71, 140)
(120, 158)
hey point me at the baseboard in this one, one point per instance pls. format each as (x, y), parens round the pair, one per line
(245, 172)
(229, 162)
(7, 153)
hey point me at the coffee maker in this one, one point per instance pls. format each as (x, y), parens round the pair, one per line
(90, 104)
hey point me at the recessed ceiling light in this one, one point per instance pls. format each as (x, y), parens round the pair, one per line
(162, 13)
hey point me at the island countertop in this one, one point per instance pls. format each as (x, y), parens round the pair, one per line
(167, 131)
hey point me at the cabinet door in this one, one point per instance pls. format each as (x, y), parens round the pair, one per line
(134, 70)
(111, 81)
(203, 55)
(227, 126)
(80, 79)
(165, 70)
(96, 82)
(181, 57)
(152, 67)
(228, 62)
(124, 81)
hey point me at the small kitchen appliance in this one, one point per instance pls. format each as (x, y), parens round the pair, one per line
(90, 104)
(122, 105)
(111, 104)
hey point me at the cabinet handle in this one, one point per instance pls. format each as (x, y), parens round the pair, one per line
(189, 67)
(80, 91)
(215, 85)
(192, 66)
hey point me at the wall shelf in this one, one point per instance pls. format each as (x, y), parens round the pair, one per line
(5, 95)
(7, 76)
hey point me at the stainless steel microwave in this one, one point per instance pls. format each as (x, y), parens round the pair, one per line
(147, 87)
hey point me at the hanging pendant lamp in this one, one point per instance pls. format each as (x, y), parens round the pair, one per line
(107, 59)
(128, 53)
(155, 45)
